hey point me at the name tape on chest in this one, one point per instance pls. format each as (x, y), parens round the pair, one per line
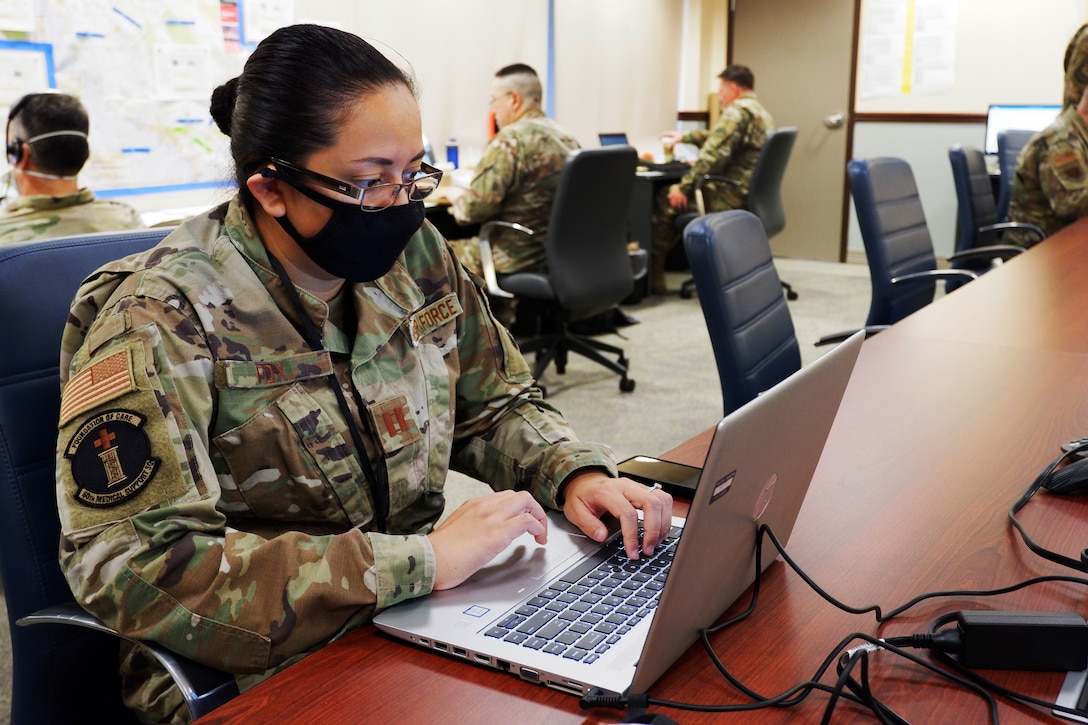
(434, 315)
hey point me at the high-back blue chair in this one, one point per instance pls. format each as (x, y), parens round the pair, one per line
(977, 221)
(61, 674)
(740, 293)
(1009, 144)
(902, 263)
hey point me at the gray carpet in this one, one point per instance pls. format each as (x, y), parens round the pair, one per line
(677, 394)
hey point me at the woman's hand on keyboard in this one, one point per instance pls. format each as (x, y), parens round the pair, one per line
(589, 496)
(479, 530)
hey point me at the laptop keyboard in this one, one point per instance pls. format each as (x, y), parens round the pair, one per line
(587, 610)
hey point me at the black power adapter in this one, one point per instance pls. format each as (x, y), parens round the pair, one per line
(1023, 640)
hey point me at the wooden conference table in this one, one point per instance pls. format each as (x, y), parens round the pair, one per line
(950, 414)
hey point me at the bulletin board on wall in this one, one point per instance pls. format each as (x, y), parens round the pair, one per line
(145, 71)
(920, 57)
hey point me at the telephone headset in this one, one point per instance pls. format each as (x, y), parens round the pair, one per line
(15, 146)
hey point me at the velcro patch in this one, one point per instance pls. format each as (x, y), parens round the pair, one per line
(111, 458)
(435, 315)
(396, 427)
(102, 382)
(272, 373)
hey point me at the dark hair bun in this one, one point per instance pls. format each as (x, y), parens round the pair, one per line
(222, 106)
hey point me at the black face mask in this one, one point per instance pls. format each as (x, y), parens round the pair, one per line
(356, 245)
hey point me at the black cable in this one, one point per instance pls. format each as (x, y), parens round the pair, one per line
(881, 617)
(840, 685)
(1042, 481)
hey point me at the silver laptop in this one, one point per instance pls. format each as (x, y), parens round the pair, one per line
(555, 615)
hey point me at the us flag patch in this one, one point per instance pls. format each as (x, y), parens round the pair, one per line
(103, 381)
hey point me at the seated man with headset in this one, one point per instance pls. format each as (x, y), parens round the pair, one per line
(46, 147)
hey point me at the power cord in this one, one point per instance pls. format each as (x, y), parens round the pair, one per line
(1069, 480)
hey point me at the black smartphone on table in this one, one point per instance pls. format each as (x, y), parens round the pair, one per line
(678, 479)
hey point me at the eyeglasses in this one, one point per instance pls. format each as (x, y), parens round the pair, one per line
(495, 99)
(374, 197)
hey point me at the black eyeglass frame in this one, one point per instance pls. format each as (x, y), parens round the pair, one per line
(358, 193)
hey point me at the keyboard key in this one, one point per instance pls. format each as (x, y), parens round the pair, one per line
(551, 629)
(536, 621)
(554, 648)
(575, 654)
(512, 621)
(534, 643)
(515, 637)
(589, 641)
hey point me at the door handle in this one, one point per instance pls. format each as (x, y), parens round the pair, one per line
(835, 121)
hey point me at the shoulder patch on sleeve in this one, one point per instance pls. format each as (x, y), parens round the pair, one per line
(111, 459)
(116, 455)
(109, 378)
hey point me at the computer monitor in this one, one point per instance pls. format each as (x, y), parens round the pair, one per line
(617, 138)
(1003, 117)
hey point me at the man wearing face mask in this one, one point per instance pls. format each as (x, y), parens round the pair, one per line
(46, 148)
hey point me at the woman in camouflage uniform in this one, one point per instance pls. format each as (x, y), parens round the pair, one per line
(260, 413)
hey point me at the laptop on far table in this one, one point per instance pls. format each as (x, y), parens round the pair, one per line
(579, 617)
(613, 139)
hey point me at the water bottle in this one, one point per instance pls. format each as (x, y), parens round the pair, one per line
(451, 152)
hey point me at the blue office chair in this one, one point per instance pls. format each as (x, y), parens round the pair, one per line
(1009, 144)
(902, 264)
(61, 674)
(751, 330)
(977, 220)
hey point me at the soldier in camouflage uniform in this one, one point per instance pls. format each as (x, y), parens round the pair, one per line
(515, 179)
(47, 147)
(253, 448)
(1050, 187)
(730, 149)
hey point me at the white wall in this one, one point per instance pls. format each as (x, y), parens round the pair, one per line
(925, 147)
(1006, 51)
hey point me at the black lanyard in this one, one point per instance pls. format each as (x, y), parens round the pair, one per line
(378, 494)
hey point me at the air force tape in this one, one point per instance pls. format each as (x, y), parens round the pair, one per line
(111, 458)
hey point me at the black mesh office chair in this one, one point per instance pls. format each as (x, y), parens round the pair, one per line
(61, 674)
(751, 330)
(1009, 145)
(589, 268)
(902, 263)
(764, 192)
(977, 220)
